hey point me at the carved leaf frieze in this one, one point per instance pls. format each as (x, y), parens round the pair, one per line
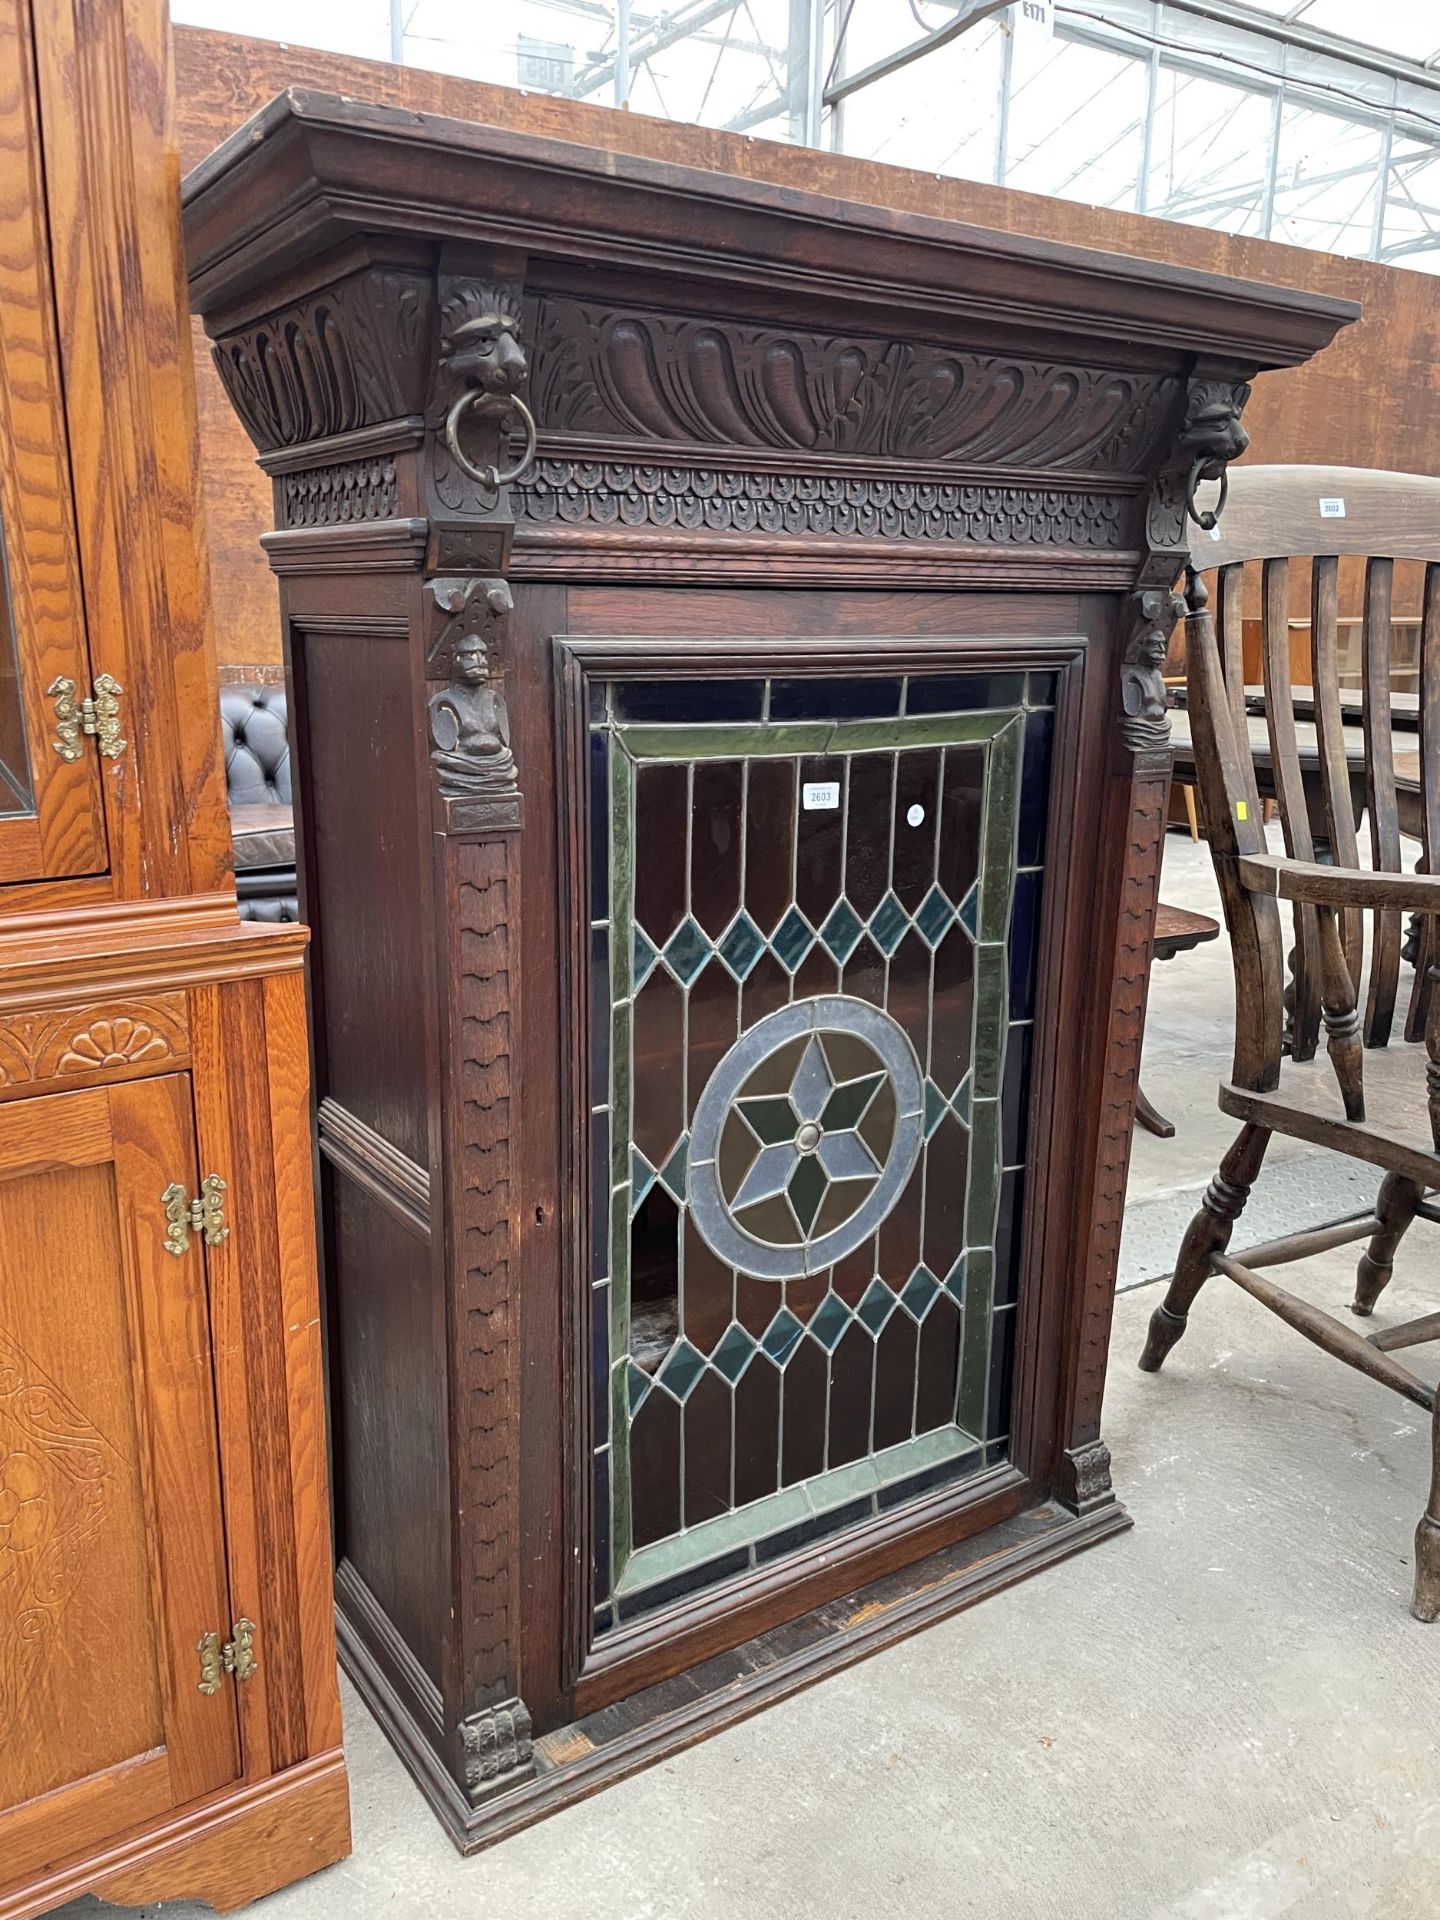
(662, 377)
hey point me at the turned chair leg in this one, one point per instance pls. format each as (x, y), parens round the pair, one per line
(1208, 1233)
(1426, 1604)
(1395, 1209)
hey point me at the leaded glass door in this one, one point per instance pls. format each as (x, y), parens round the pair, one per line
(814, 909)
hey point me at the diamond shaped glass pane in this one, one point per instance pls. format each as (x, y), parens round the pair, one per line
(768, 1176)
(960, 1102)
(934, 917)
(734, 1354)
(810, 1089)
(642, 1178)
(793, 939)
(847, 1106)
(686, 951)
(807, 1189)
(877, 1306)
(639, 1384)
(771, 1118)
(682, 1368)
(845, 1156)
(645, 957)
(919, 1290)
(741, 946)
(934, 1107)
(970, 910)
(829, 1321)
(888, 924)
(781, 1335)
(955, 1280)
(672, 1174)
(841, 930)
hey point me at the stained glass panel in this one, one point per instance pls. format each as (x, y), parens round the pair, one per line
(812, 976)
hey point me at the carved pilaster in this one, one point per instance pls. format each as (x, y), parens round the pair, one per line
(496, 1744)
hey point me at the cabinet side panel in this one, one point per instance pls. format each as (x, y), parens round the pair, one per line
(364, 883)
(390, 1500)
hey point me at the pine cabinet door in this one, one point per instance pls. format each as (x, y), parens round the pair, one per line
(112, 1563)
(51, 808)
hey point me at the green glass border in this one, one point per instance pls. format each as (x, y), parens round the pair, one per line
(1002, 734)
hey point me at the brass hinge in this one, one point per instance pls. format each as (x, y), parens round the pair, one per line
(236, 1656)
(98, 714)
(185, 1216)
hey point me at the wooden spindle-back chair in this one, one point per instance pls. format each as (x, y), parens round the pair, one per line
(1275, 520)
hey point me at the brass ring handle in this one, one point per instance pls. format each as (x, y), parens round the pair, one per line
(490, 477)
(1206, 518)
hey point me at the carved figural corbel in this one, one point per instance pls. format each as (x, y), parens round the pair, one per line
(469, 723)
(1144, 721)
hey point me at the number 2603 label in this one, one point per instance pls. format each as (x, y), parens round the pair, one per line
(817, 796)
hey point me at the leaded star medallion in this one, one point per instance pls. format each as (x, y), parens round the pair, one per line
(804, 1137)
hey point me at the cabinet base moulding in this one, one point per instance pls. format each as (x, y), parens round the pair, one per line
(227, 1852)
(574, 1761)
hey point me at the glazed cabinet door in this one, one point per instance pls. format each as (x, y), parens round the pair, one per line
(112, 1564)
(51, 812)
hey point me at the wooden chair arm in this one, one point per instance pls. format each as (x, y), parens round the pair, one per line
(1339, 886)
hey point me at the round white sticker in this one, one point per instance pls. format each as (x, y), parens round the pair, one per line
(916, 814)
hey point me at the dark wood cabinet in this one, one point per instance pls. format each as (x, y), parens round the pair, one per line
(724, 627)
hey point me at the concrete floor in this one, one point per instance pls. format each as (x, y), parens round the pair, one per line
(1226, 1714)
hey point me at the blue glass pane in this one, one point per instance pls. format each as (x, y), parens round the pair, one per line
(857, 699)
(793, 939)
(1024, 935)
(688, 700)
(686, 951)
(1014, 1095)
(888, 924)
(1042, 689)
(741, 946)
(1007, 1236)
(599, 826)
(599, 1016)
(964, 692)
(1035, 788)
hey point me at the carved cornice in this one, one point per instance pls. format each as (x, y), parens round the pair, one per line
(649, 377)
(621, 494)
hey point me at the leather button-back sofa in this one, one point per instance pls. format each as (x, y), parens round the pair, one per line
(257, 780)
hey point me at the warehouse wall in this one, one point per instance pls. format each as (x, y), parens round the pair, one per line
(1371, 400)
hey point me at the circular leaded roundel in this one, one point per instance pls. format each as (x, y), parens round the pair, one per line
(804, 1137)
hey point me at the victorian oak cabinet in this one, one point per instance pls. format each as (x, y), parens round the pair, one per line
(169, 1720)
(724, 627)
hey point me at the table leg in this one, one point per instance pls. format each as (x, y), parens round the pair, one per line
(1151, 1119)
